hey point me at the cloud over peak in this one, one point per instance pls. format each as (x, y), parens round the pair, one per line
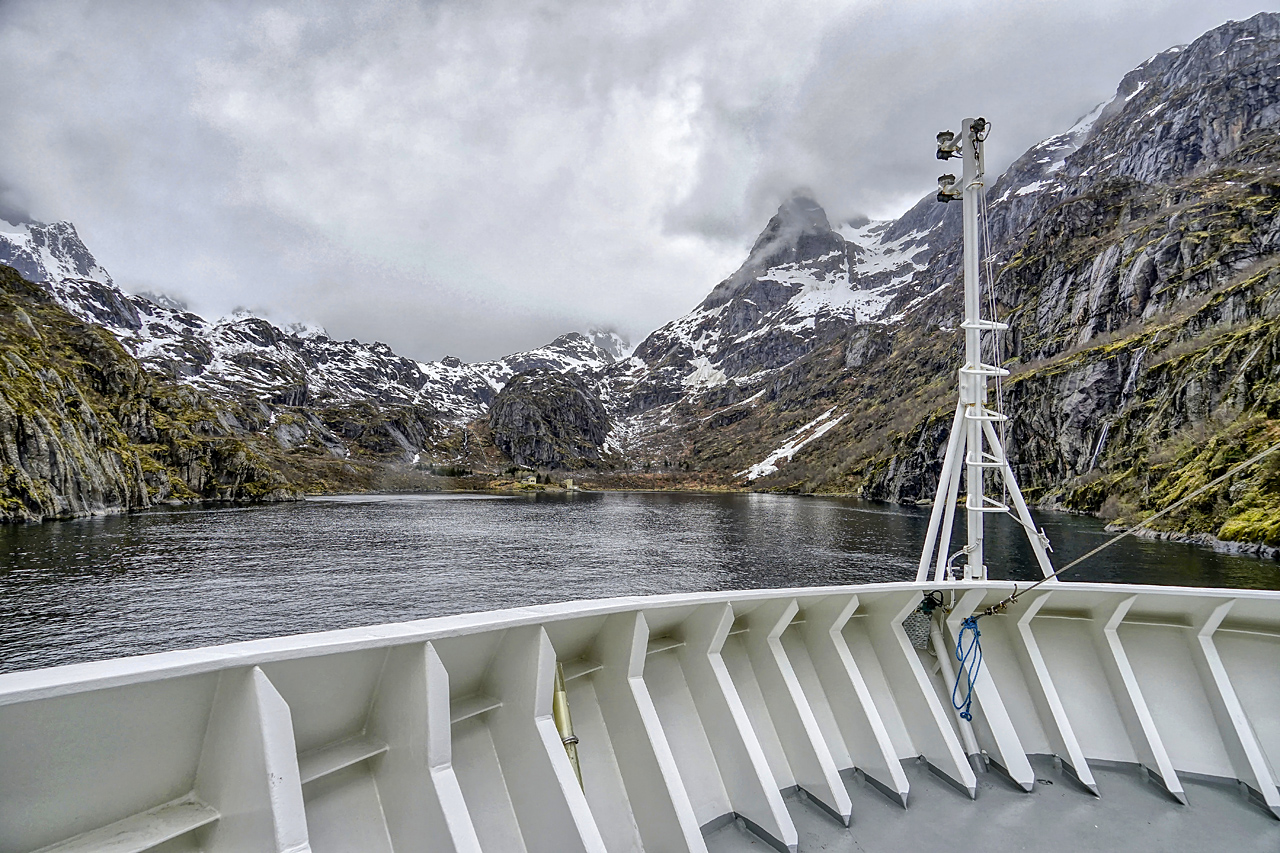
(478, 177)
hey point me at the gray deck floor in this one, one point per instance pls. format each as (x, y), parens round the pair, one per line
(1129, 816)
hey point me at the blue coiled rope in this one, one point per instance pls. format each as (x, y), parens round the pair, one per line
(970, 663)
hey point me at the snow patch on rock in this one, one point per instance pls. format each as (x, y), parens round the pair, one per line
(704, 375)
(812, 431)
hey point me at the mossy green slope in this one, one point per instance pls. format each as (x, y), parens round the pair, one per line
(85, 429)
(1146, 355)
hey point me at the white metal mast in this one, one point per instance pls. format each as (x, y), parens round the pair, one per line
(974, 446)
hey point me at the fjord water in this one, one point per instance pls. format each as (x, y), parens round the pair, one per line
(105, 587)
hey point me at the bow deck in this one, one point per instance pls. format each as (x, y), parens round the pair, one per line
(807, 718)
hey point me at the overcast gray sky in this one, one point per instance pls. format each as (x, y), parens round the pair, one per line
(475, 177)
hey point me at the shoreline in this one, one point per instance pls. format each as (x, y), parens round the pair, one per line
(1257, 550)
(1208, 540)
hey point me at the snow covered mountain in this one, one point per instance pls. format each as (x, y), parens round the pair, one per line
(802, 280)
(745, 380)
(833, 340)
(48, 252)
(803, 283)
(611, 342)
(246, 356)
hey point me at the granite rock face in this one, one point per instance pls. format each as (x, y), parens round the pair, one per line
(1140, 283)
(1134, 259)
(546, 419)
(84, 429)
(1167, 201)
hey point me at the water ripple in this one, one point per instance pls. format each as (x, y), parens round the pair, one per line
(98, 588)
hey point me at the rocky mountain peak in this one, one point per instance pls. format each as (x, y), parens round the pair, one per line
(799, 230)
(1176, 170)
(164, 300)
(48, 251)
(1183, 112)
(798, 235)
(1187, 108)
(798, 216)
(571, 339)
(802, 283)
(303, 330)
(549, 419)
(611, 342)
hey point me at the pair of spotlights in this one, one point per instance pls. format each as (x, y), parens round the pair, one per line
(948, 147)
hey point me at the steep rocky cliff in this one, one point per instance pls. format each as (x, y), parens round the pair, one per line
(549, 419)
(85, 429)
(1142, 291)
(1145, 342)
(1135, 259)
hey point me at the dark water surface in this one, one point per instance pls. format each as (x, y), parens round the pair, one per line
(84, 590)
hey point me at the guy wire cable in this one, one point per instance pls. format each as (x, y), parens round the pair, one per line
(1000, 606)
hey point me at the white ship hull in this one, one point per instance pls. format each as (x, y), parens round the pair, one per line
(692, 711)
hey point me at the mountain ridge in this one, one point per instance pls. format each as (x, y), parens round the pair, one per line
(288, 364)
(1128, 253)
(1157, 202)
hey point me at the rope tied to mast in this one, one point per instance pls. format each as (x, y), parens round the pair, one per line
(970, 665)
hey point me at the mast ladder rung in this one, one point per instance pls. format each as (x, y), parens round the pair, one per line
(988, 505)
(984, 414)
(983, 369)
(985, 462)
(985, 325)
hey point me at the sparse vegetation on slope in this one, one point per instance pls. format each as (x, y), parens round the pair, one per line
(84, 429)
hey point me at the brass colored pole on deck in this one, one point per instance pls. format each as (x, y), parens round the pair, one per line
(564, 723)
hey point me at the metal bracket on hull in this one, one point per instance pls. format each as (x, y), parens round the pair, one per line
(1247, 756)
(939, 743)
(540, 780)
(1067, 743)
(657, 794)
(753, 790)
(797, 727)
(249, 768)
(1010, 755)
(861, 726)
(418, 788)
(1146, 738)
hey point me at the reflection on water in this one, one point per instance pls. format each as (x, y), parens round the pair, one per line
(104, 587)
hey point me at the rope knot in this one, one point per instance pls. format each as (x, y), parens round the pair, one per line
(970, 664)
